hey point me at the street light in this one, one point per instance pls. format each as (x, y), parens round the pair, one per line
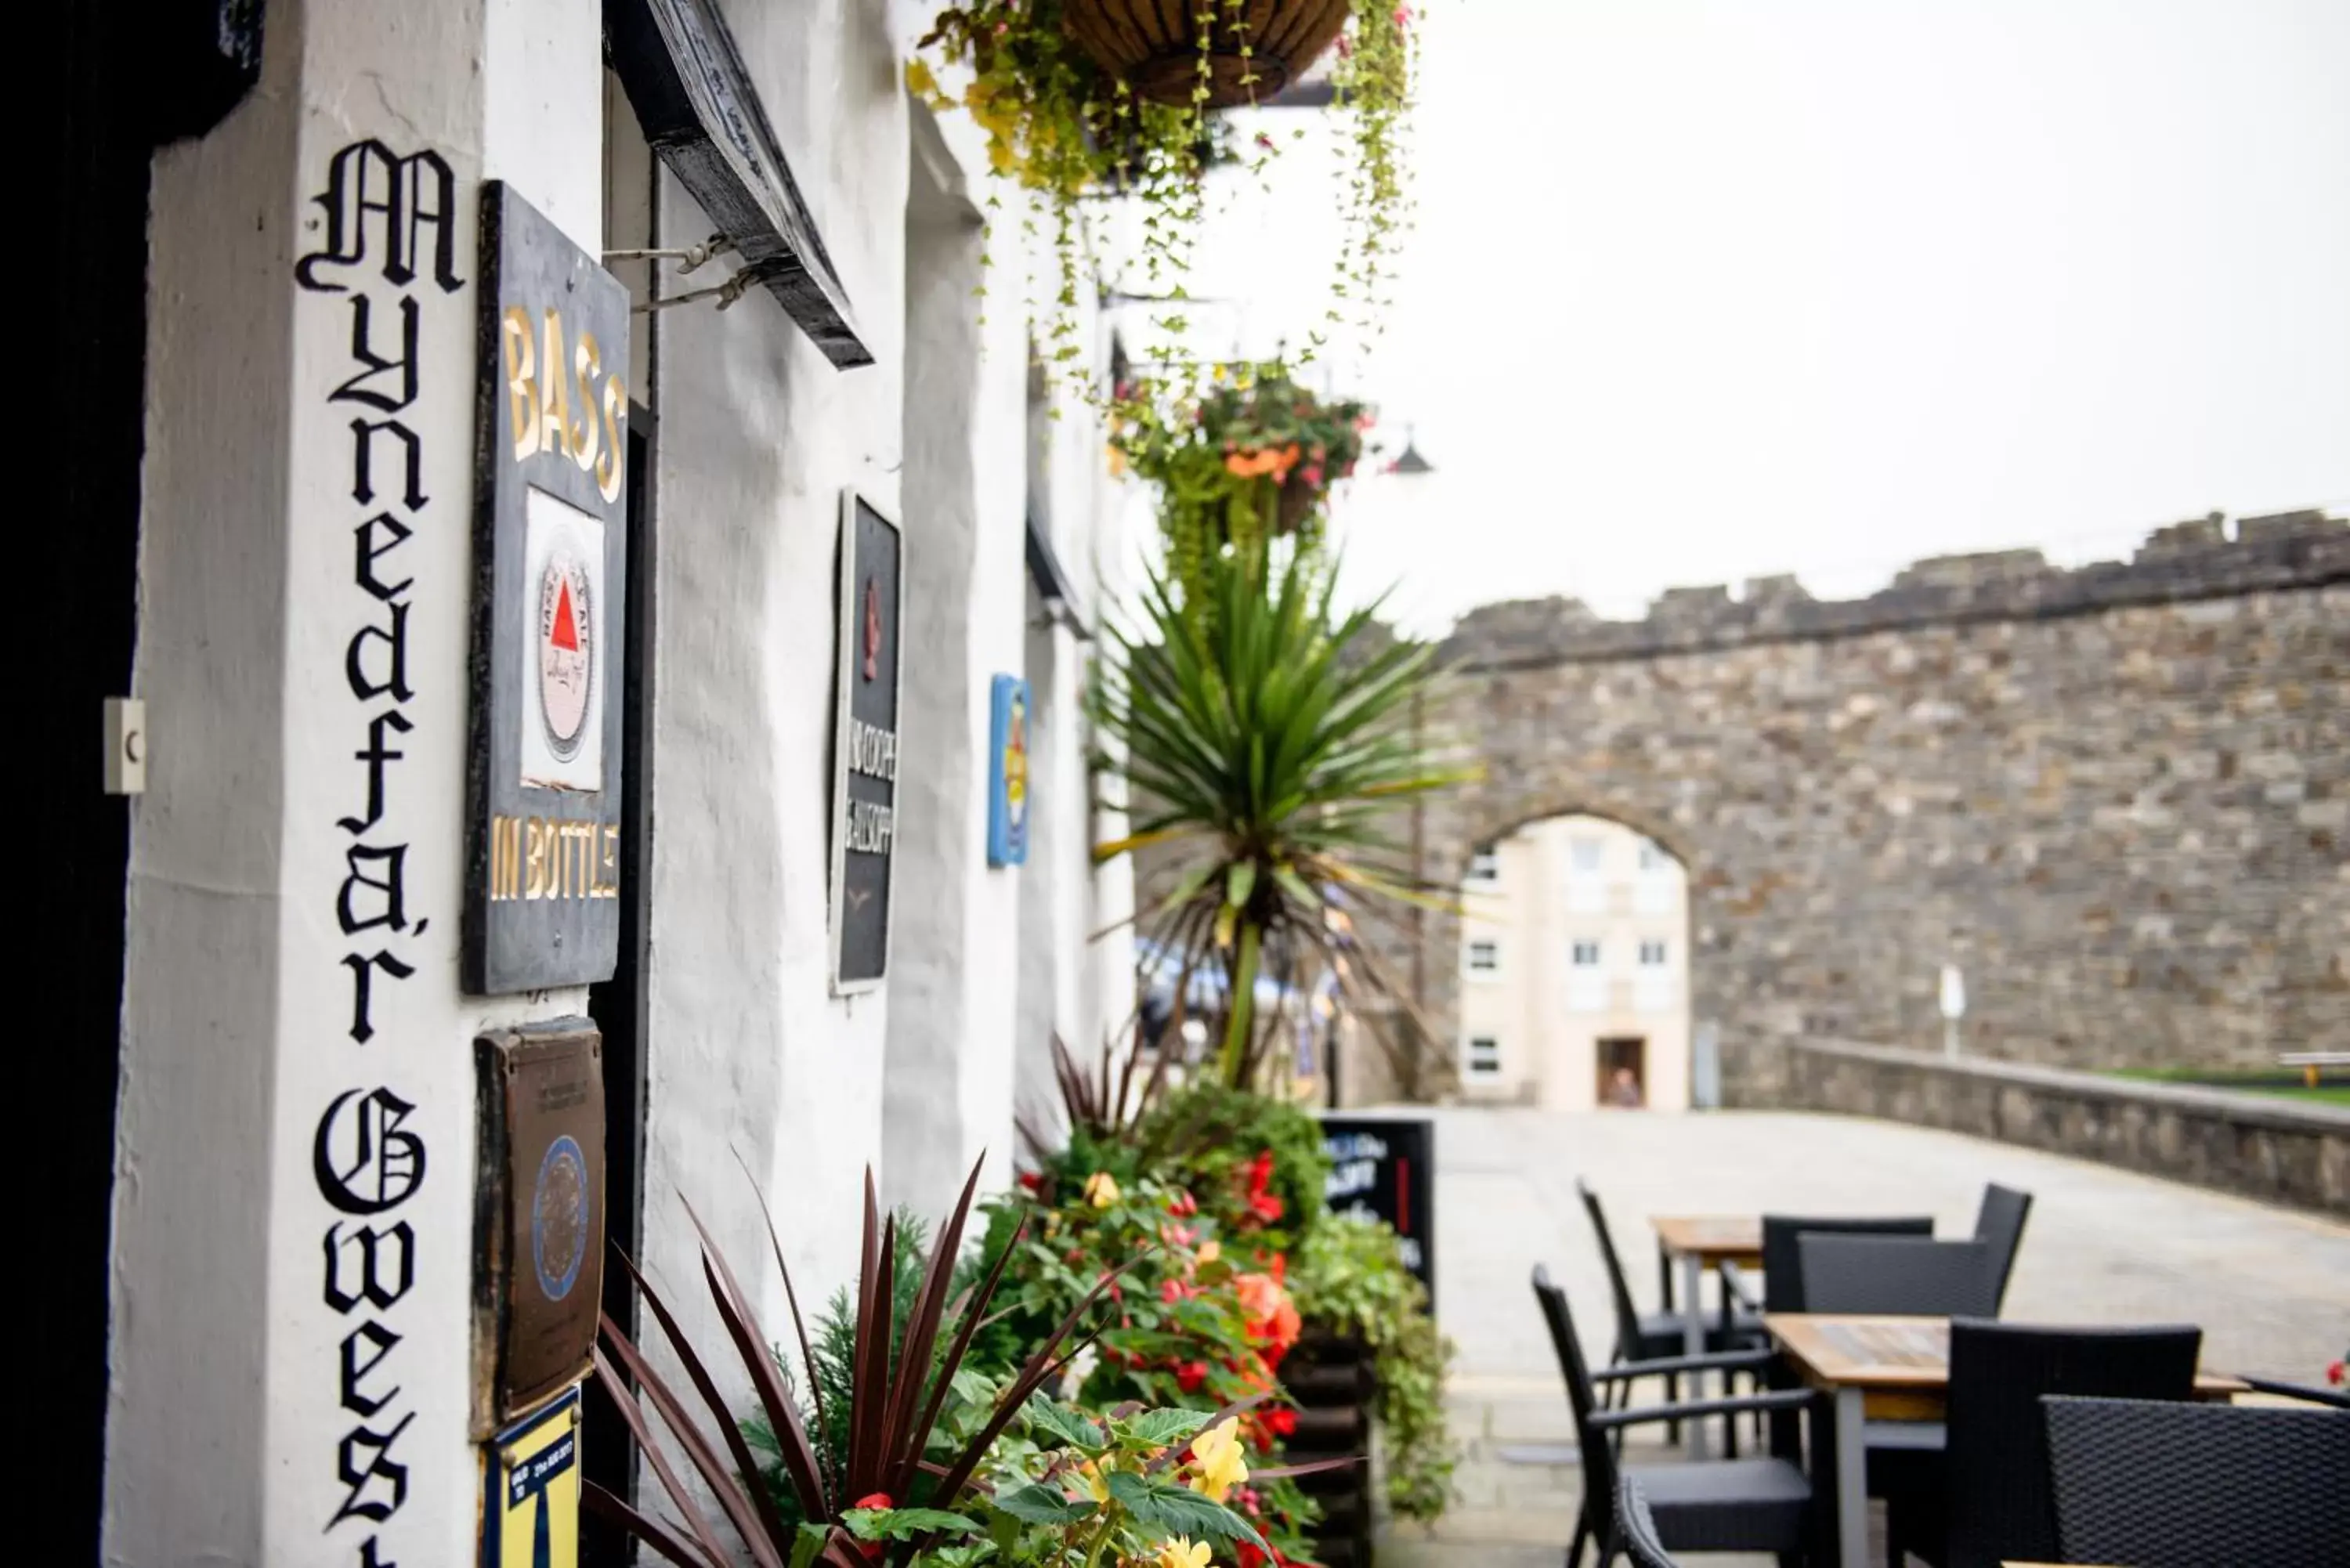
(1410, 461)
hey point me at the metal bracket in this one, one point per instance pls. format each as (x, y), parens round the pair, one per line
(688, 258)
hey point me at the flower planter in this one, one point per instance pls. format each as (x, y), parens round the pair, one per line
(1153, 46)
(1331, 1379)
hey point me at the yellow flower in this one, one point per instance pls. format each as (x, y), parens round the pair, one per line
(1216, 1453)
(1116, 462)
(1101, 1192)
(1210, 1252)
(919, 81)
(1180, 1552)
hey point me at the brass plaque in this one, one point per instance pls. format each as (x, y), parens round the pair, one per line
(539, 1215)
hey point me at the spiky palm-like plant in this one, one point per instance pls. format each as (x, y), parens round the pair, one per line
(1271, 738)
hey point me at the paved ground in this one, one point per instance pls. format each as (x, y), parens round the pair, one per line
(2270, 1288)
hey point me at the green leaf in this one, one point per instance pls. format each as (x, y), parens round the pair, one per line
(1035, 1504)
(1179, 1511)
(807, 1542)
(1163, 1428)
(1240, 882)
(1049, 1419)
(904, 1523)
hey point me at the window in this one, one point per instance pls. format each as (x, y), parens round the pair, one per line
(1583, 856)
(1653, 857)
(1484, 958)
(1652, 983)
(1484, 868)
(1586, 887)
(1586, 983)
(1484, 1057)
(1652, 891)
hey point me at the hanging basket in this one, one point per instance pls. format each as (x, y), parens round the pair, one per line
(1153, 46)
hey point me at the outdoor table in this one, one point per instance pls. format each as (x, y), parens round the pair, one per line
(1703, 1242)
(1893, 1368)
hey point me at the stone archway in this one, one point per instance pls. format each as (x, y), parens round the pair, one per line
(1572, 968)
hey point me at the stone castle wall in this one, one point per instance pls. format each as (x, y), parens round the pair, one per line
(2118, 796)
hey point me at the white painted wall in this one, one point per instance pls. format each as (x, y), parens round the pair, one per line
(225, 1415)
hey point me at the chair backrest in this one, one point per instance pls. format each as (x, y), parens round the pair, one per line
(1598, 1456)
(2182, 1485)
(1998, 1504)
(1627, 1316)
(1636, 1527)
(1783, 1268)
(1914, 1276)
(1999, 1224)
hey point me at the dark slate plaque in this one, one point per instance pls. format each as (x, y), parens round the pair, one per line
(865, 744)
(1385, 1167)
(538, 1214)
(543, 767)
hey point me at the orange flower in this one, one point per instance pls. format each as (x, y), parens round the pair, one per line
(1273, 1316)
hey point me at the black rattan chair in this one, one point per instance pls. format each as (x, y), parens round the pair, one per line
(1911, 1276)
(1993, 1503)
(1721, 1505)
(1635, 1527)
(1656, 1335)
(1998, 1225)
(2159, 1484)
(2307, 1393)
(1783, 1291)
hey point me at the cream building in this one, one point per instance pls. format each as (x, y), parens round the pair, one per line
(1574, 966)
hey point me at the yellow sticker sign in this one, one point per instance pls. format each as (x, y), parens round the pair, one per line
(531, 1501)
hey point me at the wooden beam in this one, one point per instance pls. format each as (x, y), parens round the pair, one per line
(701, 113)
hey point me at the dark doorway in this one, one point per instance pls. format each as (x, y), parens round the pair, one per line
(619, 1006)
(1616, 1058)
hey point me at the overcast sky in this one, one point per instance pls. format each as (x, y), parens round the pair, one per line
(1706, 289)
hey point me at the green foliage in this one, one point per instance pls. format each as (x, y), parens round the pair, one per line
(1250, 459)
(1209, 1135)
(1273, 743)
(1351, 1281)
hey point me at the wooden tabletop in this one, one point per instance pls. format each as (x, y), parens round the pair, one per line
(1895, 1356)
(1713, 1237)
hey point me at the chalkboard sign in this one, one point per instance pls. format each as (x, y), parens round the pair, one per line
(865, 745)
(1385, 1167)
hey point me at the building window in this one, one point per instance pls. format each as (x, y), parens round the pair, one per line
(1484, 958)
(1583, 856)
(1586, 983)
(1484, 1057)
(1653, 857)
(1485, 868)
(1652, 983)
(1653, 888)
(1586, 885)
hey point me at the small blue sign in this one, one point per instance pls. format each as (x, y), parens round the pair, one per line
(1007, 775)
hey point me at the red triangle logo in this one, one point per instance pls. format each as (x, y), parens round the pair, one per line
(565, 634)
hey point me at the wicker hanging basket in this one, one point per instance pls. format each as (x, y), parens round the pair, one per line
(1154, 45)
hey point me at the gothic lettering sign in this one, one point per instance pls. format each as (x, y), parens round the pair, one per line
(1384, 1168)
(543, 771)
(865, 745)
(539, 1214)
(382, 226)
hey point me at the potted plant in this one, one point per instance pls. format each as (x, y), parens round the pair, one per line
(1254, 458)
(1268, 739)
(1083, 97)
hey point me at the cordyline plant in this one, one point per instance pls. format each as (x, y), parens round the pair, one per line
(1270, 739)
(887, 1483)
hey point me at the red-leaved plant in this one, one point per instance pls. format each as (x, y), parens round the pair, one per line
(894, 1407)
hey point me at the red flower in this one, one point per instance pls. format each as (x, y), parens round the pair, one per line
(1281, 1420)
(871, 1550)
(1173, 1291)
(1182, 1205)
(2336, 1373)
(1190, 1375)
(1261, 1204)
(1034, 1181)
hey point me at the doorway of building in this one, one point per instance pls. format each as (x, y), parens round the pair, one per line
(619, 1006)
(1623, 1064)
